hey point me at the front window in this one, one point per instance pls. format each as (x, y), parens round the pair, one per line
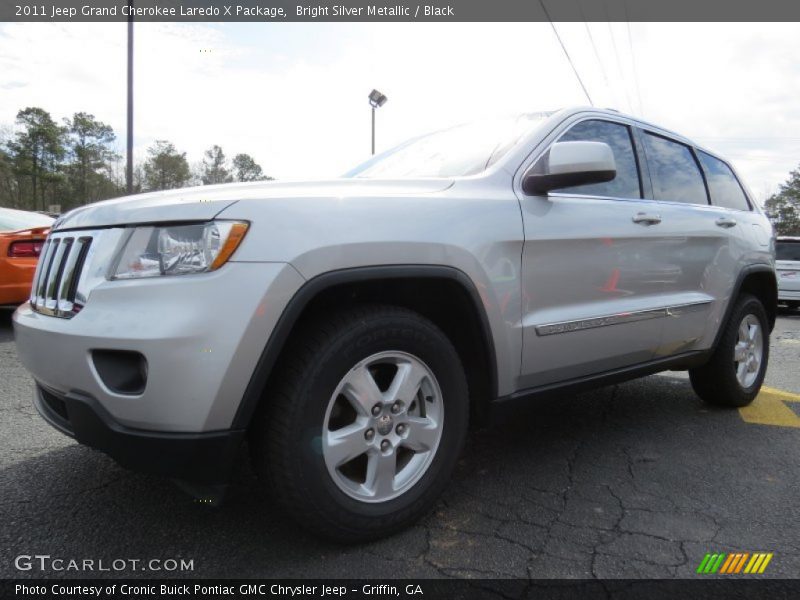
(459, 151)
(618, 137)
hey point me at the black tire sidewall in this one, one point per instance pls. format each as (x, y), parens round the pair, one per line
(396, 333)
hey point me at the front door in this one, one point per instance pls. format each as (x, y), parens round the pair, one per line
(594, 270)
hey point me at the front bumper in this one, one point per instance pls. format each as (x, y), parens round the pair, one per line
(206, 458)
(201, 336)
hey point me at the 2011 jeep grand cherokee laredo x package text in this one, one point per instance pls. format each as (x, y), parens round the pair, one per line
(351, 329)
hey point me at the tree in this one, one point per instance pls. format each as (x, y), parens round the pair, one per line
(247, 169)
(783, 208)
(214, 170)
(37, 151)
(91, 158)
(8, 181)
(165, 168)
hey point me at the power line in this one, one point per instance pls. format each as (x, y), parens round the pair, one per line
(616, 56)
(633, 61)
(564, 48)
(594, 46)
(619, 65)
(750, 139)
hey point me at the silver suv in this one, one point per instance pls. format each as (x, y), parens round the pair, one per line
(351, 329)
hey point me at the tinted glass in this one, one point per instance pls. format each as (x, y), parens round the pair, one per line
(626, 183)
(674, 172)
(787, 251)
(12, 220)
(722, 183)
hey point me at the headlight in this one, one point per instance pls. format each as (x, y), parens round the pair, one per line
(177, 249)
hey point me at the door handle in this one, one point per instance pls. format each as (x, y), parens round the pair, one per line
(646, 219)
(725, 222)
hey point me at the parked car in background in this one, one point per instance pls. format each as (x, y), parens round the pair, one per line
(351, 329)
(787, 265)
(22, 234)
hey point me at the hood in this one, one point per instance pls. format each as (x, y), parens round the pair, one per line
(206, 202)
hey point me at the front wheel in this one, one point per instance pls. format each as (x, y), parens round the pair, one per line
(361, 433)
(735, 372)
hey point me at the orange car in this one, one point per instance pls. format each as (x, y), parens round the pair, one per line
(22, 234)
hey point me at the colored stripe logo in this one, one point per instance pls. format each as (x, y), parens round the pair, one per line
(734, 563)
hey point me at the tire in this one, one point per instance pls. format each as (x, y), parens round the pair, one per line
(725, 382)
(793, 305)
(324, 396)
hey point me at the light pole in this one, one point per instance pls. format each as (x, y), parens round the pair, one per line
(129, 158)
(376, 100)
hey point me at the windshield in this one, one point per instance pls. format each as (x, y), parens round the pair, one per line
(787, 251)
(12, 220)
(462, 150)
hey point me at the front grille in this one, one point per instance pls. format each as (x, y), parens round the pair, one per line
(55, 284)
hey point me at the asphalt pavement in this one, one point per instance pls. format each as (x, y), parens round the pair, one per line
(635, 480)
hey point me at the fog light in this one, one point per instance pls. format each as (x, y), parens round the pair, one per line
(122, 371)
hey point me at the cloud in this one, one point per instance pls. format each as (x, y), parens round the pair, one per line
(294, 95)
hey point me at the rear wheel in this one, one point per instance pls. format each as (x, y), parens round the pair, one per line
(360, 435)
(735, 372)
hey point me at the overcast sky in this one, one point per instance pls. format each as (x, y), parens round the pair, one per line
(295, 95)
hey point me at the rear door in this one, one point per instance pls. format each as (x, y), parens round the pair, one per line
(701, 241)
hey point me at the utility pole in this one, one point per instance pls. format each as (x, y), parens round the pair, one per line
(129, 158)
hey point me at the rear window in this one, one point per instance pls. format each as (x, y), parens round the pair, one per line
(787, 250)
(674, 171)
(722, 183)
(12, 220)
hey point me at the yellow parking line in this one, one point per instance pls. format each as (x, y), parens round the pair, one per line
(769, 408)
(792, 396)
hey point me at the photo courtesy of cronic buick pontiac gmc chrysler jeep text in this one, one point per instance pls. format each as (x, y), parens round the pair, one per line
(351, 329)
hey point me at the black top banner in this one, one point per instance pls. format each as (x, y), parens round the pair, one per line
(399, 10)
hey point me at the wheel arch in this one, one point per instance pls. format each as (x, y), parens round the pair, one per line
(758, 280)
(443, 294)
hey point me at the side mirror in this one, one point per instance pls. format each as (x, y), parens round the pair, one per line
(570, 163)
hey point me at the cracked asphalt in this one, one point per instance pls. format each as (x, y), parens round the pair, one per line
(636, 480)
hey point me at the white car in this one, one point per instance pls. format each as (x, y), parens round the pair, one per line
(787, 266)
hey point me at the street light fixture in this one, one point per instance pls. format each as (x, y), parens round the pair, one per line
(376, 100)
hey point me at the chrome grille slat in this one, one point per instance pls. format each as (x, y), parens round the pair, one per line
(37, 276)
(63, 302)
(48, 264)
(85, 243)
(56, 280)
(56, 270)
